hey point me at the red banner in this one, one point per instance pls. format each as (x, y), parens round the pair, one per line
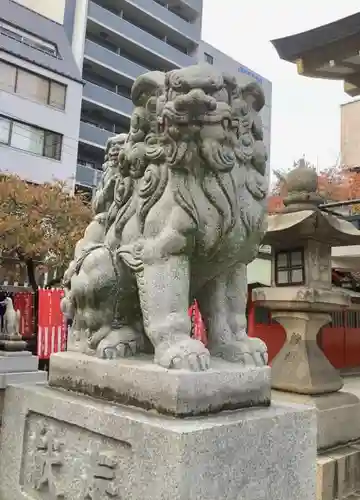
(198, 326)
(24, 302)
(52, 329)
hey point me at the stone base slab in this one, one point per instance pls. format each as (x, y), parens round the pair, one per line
(338, 475)
(18, 368)
(57, 445)
(7, 379)
(338, 416)
(24, 361)
(12, 345)
(141, 383)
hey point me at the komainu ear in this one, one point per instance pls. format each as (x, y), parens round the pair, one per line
(146, 86)
(254, 95)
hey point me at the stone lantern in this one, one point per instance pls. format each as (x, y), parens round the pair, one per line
(301, 297)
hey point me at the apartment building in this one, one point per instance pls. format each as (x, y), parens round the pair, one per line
(115, 41)
(40, 97)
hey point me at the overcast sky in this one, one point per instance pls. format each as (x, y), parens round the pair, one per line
(305, 112)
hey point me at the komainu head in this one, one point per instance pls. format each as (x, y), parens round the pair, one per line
(209, 113)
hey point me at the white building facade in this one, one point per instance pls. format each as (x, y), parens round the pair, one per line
(40, 97)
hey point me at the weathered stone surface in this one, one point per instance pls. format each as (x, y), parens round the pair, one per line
(12, 345)
(180, 212)
(326, 478)
(11, 321)
(17, 368)
(57, 446)
(22, 361)
(337, 415)
(338, 475)
(301, 366)
(7, 379)
(302, 297)
(144, 384)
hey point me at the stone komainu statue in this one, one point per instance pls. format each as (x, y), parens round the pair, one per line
(179, 213)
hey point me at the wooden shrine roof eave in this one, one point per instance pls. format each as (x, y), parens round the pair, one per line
(293, 47)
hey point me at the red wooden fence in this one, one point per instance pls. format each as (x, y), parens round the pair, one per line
(24, 302)
(340, 340)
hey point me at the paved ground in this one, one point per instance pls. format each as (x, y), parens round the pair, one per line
(352, 384)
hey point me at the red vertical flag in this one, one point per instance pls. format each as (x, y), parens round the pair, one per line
(52, 325)
(198, 326)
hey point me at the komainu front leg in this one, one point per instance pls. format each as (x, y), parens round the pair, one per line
(164, 295)
(223, 305)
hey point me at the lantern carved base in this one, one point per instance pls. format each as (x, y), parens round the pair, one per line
(301, 366)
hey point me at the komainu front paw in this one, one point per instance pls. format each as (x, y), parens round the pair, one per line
(120, 343)
(249, 351)
(186, 354)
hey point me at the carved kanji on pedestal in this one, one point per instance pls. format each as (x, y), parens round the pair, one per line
(48, 459)
(103, 482)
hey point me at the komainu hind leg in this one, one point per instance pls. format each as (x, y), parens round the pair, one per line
(164, 296)
(223, 305)
(122, 342)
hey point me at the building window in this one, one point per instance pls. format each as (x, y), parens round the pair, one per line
(5, 126)
(262, 315)
(208, 58)
(7, 77)
(289, 267)
(57, 95)
(29, 138)
(32, 86)
(28, 39)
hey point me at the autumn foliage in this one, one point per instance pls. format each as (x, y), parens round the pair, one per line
(39, 224)
(334, 184)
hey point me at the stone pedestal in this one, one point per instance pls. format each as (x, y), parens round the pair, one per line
(141, 383)
(338, 475)
(301, 366)
(17, 367)
(338, 437)
(337, 416)
(58, 445)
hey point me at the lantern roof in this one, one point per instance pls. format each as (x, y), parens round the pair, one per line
(310, 224)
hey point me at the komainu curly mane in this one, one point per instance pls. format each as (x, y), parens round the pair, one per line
(183, 192)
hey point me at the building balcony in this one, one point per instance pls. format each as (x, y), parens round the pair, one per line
(105, 98)
(188, 10)
(96, 136)
(194, 5)
(114, 62)
(160, 14)
(129, 34)
(87, 176)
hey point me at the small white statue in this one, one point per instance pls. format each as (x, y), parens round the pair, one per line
(11, 319)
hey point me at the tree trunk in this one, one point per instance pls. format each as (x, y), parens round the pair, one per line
(30, 268)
